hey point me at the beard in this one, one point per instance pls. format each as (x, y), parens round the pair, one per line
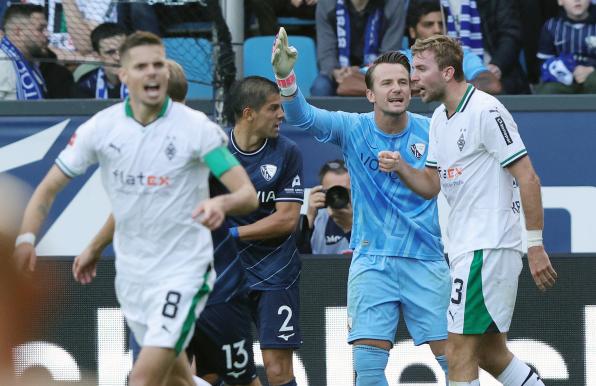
(37, 52)
(433, 95)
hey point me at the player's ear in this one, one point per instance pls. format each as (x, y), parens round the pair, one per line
(370, 95)
(247, 114)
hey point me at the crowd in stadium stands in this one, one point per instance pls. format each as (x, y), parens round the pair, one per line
(552, 51)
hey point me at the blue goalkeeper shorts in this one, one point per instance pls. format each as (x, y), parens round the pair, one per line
(380, 287)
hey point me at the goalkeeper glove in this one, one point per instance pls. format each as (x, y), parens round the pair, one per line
(283, 58)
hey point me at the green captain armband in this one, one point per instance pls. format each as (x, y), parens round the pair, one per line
(220, 160)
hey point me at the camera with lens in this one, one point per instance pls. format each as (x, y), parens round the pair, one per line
(337, 197)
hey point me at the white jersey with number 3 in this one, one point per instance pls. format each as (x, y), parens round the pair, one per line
(471, 151)
(154, 175)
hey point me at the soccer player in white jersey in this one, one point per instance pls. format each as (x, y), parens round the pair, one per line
(155, 156)
(477, 159)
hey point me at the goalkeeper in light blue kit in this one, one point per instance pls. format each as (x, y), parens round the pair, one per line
(398, 263)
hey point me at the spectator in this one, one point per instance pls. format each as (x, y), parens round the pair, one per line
(70, 23)
(267, 12)
(568, 48)
(25, 39)
(329, 216)
(492, 30)
(342, 26)
(425, 20)
(103, 82)
(534, 13)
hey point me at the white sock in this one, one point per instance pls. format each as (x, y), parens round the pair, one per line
(475, 382)
(199, 381)
(517, 373)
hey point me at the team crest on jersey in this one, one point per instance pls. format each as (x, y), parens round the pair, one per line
(170, 151)
(268, 171)
(417, 149)
(461, 142)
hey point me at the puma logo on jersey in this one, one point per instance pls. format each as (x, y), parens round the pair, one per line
(286, 336)
(117, 148)
(268, 171)
(236, 374)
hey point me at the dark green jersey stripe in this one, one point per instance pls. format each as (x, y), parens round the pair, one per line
(514, 157)
(476, 317)
(190, 320)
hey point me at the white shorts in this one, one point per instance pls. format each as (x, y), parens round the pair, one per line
(483, 291)
(164, 314)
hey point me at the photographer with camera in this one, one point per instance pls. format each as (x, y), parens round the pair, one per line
(329, 211)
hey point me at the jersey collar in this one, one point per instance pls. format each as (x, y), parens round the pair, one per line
(237, 148)
(162, 111)
(463, 103)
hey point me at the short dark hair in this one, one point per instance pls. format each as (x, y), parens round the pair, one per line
(252, 92)
(419, 8)
(105, 31)
(448, 53)
(139, 38)
(20, 10)
(337, 166)
(392, 57)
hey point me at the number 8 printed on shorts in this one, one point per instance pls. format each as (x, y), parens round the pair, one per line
(170, 309)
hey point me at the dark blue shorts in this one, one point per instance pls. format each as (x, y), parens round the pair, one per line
(222, 342)
(277, 316)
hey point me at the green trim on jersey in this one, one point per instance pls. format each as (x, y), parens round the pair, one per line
(476, 316)
(463, 100)
(162, 111)
(220, 160)
(190, 320)
(65, 169)
(514, 158)
(431, 164)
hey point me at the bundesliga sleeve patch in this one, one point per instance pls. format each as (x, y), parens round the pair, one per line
(504, 131)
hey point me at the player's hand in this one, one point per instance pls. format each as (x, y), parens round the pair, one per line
(210, 213)
(84, 266)
(581, 73)
(25, 257)
(283, 57)
(495, 70)
(542, 271)
(389, 161)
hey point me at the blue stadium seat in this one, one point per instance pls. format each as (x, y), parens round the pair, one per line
(257, 59)
(194, 55)
(294, 21)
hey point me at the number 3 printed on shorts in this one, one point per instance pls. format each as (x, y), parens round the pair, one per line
(170, 309)
(458, 285)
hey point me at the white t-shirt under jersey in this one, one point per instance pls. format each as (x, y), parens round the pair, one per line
(471, 151)
(154, 176)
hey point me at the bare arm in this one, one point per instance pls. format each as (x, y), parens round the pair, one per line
(242, 199)
(280, 223)
(424, 182)
(84, 266)
(529, 186)
(487, 82)
(36, 213)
